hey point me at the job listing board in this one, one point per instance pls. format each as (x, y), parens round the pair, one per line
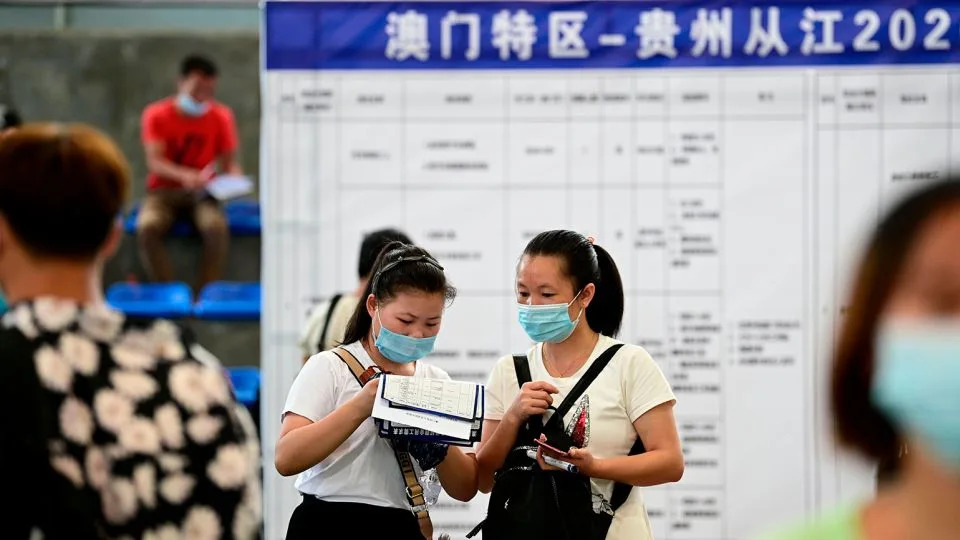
(730, 157)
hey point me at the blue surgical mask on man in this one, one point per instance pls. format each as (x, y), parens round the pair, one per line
(190, 106)
(548, 323)
(916, 383)
(400, 348)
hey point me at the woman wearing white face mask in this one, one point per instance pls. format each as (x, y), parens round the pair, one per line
(350, 477)
(896, 375)
(570, 301)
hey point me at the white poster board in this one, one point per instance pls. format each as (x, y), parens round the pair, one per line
(729, 158)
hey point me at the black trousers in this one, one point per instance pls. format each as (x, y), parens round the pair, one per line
(315, 519)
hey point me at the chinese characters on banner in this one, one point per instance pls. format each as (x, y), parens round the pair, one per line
(614, 34)
(711, 33)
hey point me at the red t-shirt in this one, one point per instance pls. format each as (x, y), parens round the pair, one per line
(191, 141)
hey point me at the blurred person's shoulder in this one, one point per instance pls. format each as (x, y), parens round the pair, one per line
(326, 323)
(156, 401)
(836, 524)
(221, 111)
(161, 107)
(73, 341)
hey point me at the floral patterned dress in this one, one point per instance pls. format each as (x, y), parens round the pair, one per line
(114, 427)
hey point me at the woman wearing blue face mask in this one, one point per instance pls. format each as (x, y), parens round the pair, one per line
(896, 375)
(570, 301)
(349, 476)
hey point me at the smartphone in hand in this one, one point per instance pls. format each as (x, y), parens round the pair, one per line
(547, 448)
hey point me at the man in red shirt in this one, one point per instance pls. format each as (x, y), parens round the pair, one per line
(187, 138)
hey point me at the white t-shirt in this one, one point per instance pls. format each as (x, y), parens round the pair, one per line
(311, 342)
(628, 387)
(364, 468)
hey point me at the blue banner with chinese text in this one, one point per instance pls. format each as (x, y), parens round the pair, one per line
(638, 34)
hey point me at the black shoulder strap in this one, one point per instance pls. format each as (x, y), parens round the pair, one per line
(326, 320)
(620, 490)
(585, 381)
(522, 367)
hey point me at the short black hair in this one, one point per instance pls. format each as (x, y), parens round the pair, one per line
(373, 243)
(198, 64)
(10, 117)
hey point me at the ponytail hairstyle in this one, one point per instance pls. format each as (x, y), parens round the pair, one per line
(586, 263)
(399, 267)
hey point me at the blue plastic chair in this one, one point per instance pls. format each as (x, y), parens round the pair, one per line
(180, 228)
(168, 300)
(229, 301)
(244, 217)
(246, 383)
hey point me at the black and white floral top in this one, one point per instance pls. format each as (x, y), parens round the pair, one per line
(113, 427)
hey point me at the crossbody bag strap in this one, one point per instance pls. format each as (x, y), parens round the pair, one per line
(620, 490)
(585, 381)
(414, 490)
(522, 366)
(360, 373)
(326, 321)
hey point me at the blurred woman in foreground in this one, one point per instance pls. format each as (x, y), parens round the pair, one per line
(110, 427)
(896, 374)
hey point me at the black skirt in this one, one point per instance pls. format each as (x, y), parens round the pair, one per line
(315, 519)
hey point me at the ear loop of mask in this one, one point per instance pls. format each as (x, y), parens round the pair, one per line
(380, 321)
(580, 313)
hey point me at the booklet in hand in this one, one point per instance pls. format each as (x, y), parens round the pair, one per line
(433, 410)
(229, 186)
